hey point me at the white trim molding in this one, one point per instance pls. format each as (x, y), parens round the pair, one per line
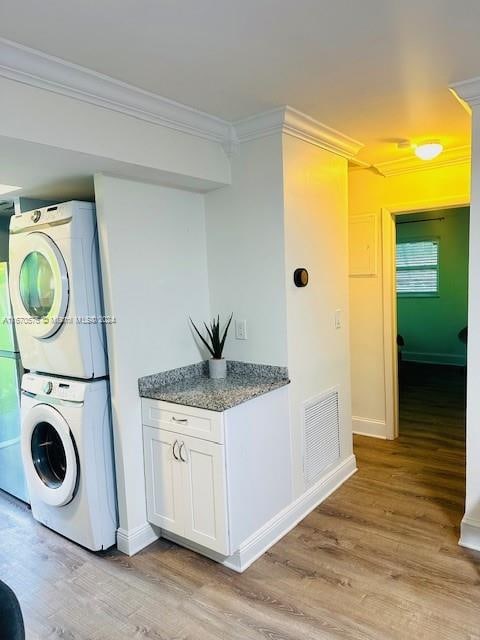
(410, 164)
(467, 90)
(279, 525)
(355, 164)
(37, 69)
(43, 71)
(294, 123)
(470, 533)
(369, 427)
(132, 541)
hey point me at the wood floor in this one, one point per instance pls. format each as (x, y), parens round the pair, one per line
(378, 560)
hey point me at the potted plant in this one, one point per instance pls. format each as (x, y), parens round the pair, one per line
(217, 365)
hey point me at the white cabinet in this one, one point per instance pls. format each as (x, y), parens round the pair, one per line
(205, 494)
(214, 480)
(164, 480)
(186, 487)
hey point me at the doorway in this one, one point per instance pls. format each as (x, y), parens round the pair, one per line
(425, 307)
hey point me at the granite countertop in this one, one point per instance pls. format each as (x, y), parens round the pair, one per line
(192, 387)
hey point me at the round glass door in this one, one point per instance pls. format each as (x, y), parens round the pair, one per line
(48, 455)
(41, 289)
(37, 285)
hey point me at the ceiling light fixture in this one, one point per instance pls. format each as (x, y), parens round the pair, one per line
(428, 150)
(8, 188)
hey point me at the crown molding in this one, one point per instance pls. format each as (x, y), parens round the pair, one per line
(40, 70)
(294, 123)
(37, 69)
(449, 157)
(356, 163)
(468, 91)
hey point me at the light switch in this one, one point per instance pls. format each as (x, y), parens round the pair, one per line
(338, 319)
(241, 329)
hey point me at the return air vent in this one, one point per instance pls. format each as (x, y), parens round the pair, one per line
(321, 435)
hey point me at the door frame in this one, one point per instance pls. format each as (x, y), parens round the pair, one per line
(389, 297)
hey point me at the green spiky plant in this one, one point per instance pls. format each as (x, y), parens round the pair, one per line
(217, 342)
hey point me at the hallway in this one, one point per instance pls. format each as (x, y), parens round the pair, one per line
(378, 560)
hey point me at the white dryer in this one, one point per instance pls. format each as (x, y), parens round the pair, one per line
(67, 455)
(55, 290)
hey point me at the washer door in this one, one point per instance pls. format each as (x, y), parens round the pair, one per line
(49, 455)
(40, 284)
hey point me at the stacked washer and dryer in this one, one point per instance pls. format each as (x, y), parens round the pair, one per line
(66, 426)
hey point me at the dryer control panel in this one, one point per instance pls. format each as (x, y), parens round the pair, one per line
(54, 388)
(48, 216)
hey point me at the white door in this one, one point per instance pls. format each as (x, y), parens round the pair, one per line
(164, 485)
(38, 284)
(205, 495)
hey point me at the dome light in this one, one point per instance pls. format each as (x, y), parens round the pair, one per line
(428, 150)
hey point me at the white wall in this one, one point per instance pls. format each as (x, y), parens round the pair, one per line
(40, 116)
(154, 268)
(315, 192)
(245, 238)
(286, 207)
(369, 193)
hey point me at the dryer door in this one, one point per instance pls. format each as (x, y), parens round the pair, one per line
(39, 284)
(49, 455)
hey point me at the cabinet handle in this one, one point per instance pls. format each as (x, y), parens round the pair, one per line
(181, 420)
(180, 452)
(175, 444)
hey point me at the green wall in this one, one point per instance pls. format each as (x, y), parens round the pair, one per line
(430, 326)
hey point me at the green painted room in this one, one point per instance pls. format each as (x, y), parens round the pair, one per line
(432, 286)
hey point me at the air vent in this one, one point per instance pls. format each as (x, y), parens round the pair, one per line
(321, 435)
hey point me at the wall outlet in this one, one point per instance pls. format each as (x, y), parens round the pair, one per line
(241, 329)
(338, 319)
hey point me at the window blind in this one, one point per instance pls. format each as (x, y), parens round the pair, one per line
(417, 267)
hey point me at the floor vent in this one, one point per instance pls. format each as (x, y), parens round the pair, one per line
(321, 435)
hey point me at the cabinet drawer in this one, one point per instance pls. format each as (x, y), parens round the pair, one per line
(189, 421)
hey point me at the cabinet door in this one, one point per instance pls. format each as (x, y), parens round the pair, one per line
(164, 484)
(205, 494)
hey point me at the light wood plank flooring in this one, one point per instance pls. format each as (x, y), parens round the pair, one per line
(378, 560)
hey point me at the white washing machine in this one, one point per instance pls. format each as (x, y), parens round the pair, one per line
(55, 290)
(68, 459)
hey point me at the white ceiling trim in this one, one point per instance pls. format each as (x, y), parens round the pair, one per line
(468, 90)
(40, 70)
(43, 71)
(294, 123)
(449, 157)
(356, 163)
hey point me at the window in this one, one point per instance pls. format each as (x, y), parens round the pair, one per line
(417, 268)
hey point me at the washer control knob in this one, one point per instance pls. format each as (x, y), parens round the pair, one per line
(36, 215)
(48, 387)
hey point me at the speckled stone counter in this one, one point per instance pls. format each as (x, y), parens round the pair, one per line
(192, 387)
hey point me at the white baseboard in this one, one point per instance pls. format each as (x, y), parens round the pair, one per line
(286, 520)
(132, 541)
(368, 427)
(455, 359)
(470, 533)
(279, 525)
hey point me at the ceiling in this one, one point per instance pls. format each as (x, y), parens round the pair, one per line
(378, 70)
